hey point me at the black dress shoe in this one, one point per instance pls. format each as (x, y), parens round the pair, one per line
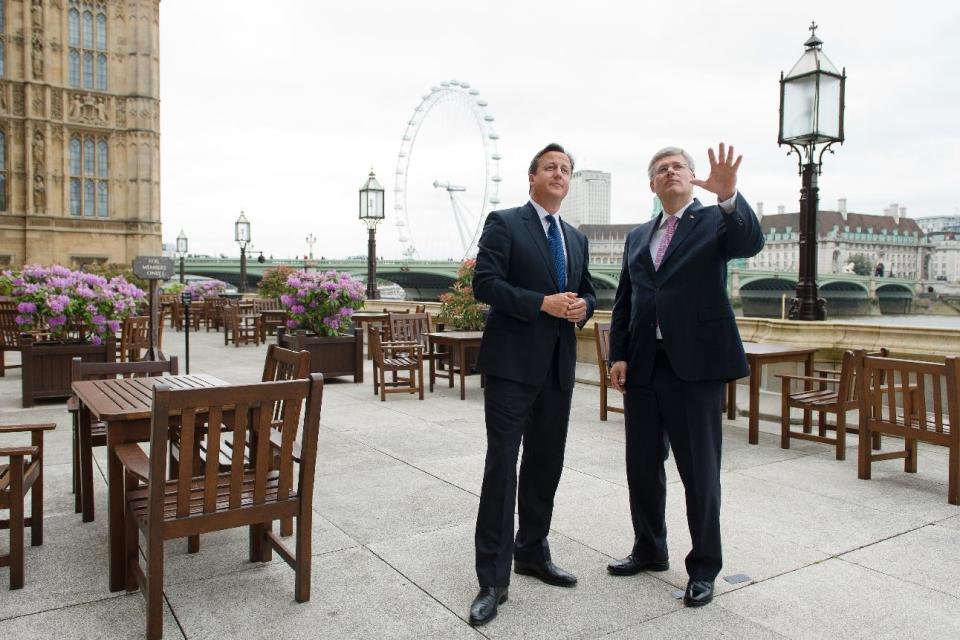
(698, 593)
(631, 566)
(484, 606)
(545, 571)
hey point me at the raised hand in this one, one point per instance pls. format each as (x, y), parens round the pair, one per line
(723, 173)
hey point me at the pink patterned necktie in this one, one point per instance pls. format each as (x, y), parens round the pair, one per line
(665, 240)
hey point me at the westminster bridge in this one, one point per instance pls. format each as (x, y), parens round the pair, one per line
(761, 292)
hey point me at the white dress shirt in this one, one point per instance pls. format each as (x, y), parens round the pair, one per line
(543, 213)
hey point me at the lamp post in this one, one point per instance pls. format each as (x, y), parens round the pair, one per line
(182, 250)
(371, 212)
(311, 240)
(811, 114)
(241, 235)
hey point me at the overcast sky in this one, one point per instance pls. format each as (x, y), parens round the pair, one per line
(281, 108)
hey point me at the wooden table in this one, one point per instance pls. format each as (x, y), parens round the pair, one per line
(758, 355)
(459, 341)
(125, 405)
(271, 319)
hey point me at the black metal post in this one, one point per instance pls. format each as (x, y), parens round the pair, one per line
(808, 305)
(372, 292)
(181, 268)
(243, 269)
(185, 299)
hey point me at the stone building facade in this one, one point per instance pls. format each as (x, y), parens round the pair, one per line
(891, 239)
(79, 131)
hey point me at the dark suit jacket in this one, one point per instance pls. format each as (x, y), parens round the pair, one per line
(688, 294)
(514, 272)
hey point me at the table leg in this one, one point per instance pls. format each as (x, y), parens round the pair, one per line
(463, 372)
(118, 574)
(732, 400)
(753, 436)
(807, 414)
(86, 465)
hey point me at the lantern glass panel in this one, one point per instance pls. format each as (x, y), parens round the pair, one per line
(243, 232)
(828, 123)
(799, 107)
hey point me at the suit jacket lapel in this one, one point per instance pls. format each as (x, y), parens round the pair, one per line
(645, 238)
(574, 258)
(535, 227)
(689, 220)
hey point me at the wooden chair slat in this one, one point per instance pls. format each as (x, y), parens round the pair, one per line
(213, 444)
(240, 428)
(186, 472)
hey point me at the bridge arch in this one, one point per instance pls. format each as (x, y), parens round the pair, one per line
(845, 298)
(764, 296)
(895, 298)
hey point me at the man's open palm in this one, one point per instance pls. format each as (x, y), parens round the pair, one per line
(723, 173)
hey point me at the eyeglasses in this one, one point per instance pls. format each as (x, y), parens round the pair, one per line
(676, 167)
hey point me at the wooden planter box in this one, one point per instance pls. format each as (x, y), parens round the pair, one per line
(337, 356)
(47, 365)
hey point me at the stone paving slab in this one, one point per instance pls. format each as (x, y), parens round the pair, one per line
(708, 622)
(918, 557)
(441, 562)
(838, 599)
(354, 595)
(120, 617)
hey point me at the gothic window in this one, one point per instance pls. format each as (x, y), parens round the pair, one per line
(89, 171)
(87, 37)
(3, 160)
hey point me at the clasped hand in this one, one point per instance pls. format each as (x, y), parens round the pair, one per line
(566, 305)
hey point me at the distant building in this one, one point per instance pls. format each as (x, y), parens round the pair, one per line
(892, 239)
(588, 201)
(79, 131)
(606, 241)
(935, 224)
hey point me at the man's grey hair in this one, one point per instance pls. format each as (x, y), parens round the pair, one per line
(669, 151)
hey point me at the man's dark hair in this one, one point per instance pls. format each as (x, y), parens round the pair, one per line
(553, 146)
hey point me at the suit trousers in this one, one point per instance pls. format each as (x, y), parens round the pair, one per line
(537, 416)
(686, 416)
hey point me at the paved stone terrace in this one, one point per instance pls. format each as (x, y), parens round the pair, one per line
(828, 555)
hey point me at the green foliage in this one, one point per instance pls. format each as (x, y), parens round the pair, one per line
(862, 265)
(458, 307)
(173, 287)
(274, 282)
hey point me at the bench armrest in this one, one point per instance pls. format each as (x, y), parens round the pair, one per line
(20, 428)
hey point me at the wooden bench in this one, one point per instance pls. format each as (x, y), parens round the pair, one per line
(917, 401)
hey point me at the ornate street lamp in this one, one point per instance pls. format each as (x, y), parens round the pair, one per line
(311, 240)
(182, 251)
(241, 235)
(811, 114)
(371, 212)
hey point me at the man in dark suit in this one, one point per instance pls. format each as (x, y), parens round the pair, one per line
(673, 344)
(532, 271)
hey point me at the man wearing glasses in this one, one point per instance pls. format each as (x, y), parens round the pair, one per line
(673, 344)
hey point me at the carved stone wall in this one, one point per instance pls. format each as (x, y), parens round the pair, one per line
(40, 112)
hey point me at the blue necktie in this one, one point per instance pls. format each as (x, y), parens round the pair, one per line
(556, 246)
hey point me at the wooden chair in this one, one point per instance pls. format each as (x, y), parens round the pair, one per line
(16, 479)
(395, 357)
(601, 331)
(9, 335)
(134, 338)
(279, 365)
(836, 392)
(176, 314)
(85, 437)
(202, 499)
(918, 401)
(240, 328)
